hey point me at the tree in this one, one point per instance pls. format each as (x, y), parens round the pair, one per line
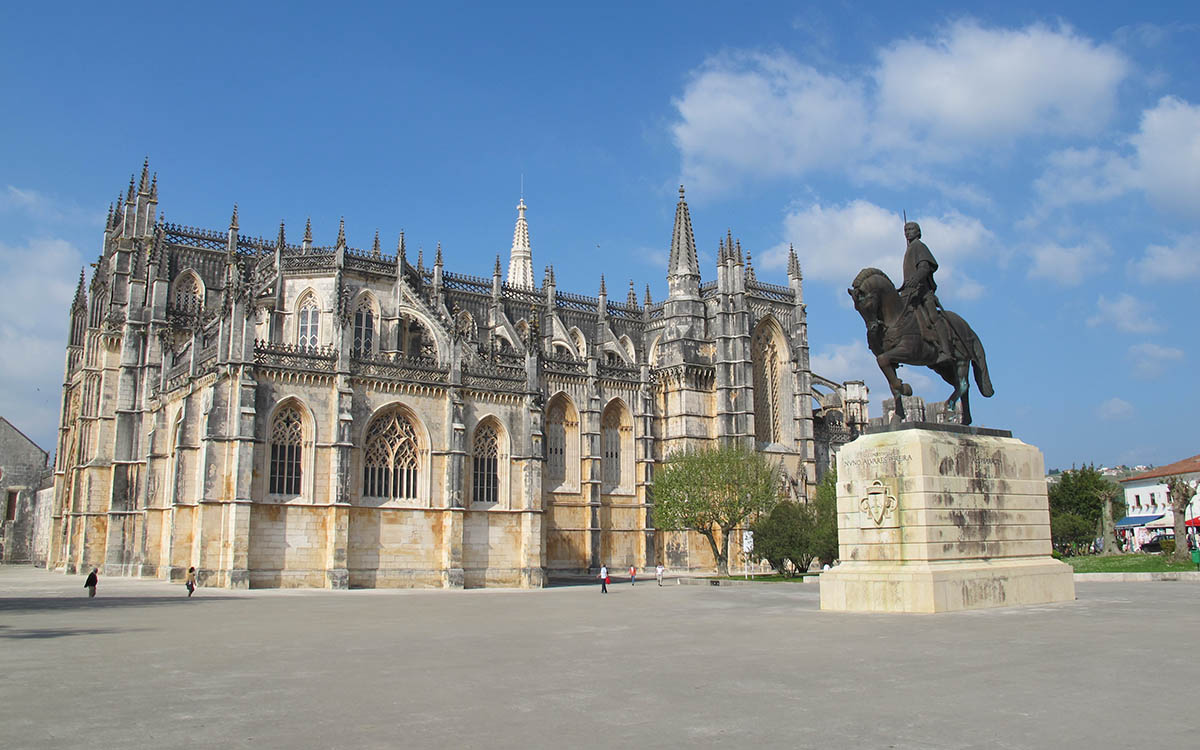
(825, 541)
(713, 491)
(786, 535)
(1180, 493)
(1079, 493)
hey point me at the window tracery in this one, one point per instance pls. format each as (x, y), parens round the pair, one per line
(364, 329)
(287, 441)
(309, 324)
(390, 458)
(766, 385)
(485, 465)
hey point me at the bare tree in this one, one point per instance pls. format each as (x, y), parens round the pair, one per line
(1180, 493)
(1108, 533)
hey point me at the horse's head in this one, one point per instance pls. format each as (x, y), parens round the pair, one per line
(868, 290)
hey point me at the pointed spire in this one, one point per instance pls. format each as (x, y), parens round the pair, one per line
(649, 299)
(401, 250)
(109, 223)
(80, 302)
(496, 270)
(793, 269)
(281, 241)
(603, 291)
(233, 220)
(631, 298)
(549, 277)
(437, 259)
(520, 257)
(420, 260)
(683, 260)
(308, 230)
(375, 247)
(721, 251)
(341, 240)
(154, 188)
(749, 263)
(739, 253)
(129, 195)
(144, 184)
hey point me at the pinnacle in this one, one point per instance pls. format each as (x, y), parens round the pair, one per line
(129, 195)
(400, 245)
(437, 260)
(308, 229)
(154, 187)
(233, 220)
(496, 270)
(281, 242)
(341, 238)
(683, 261)
(144, 183)
(631, 298)
(649, 301)
(375, 247)
(602, 289)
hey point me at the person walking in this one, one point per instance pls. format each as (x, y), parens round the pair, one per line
(658, 573)
(190, 583)
(603, 579)
(632, 575)
(90, 583)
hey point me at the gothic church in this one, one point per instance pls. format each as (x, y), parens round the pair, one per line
(279, 414)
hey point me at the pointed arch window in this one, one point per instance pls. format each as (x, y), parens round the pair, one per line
(556, 444)
(309, 324)
(188, 293)
(390, 460)
(364, 329)
(287, 445)
(485, 465)
(610, 436)
(765, 354)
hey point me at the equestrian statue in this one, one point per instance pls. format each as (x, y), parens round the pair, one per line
(909, 327)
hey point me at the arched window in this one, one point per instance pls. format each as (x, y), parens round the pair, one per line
(309, 324)
(562, 442)
(390, 459)
(616, 447)
(485, 465)
(287, 440)
(464, 323)
(189, 295)
(765, 354)
(364, 329)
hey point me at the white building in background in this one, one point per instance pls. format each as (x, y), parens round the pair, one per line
(1147, 507)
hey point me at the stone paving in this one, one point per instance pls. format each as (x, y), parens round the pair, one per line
(141, 666)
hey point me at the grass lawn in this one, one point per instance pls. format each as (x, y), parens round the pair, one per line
(1125, 564)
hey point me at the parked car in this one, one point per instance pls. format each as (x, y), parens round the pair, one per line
(1155, 544)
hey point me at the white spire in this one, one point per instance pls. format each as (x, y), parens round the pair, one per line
(520, 258)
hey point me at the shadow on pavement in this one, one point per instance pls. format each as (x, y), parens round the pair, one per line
(43, 633)
(43, 604)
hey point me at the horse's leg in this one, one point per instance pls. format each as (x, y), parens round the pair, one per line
(966, 399)
(898, 387)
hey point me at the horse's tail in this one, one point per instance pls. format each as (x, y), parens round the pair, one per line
(979, 365)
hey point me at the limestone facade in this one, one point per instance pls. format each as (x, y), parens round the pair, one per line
(22, 468)
(281, 414)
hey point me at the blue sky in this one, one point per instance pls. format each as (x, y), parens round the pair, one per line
(1052, 157)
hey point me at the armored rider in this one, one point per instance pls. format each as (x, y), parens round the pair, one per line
(918, 292)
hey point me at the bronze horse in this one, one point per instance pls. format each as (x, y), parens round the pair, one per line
(894, 337)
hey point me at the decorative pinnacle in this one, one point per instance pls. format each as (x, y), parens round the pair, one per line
(341, 240)
(108, 223)
(281, 242)
(144, 184)
(793, 263)
(631, 298)
(308, 230)
(437, 259)
(721, 251)
(602, 289)
(421, 259)
(154, 188)
(496, 268)
(550, 274)
(129, 195)
(682, 261)
(375, 247)
(400, 246)
(80, 293)
(233, 220)
(649, 301)
(681, 192)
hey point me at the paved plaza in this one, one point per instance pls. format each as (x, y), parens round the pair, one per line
(141, 666)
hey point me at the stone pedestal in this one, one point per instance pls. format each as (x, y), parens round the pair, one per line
(938, 518)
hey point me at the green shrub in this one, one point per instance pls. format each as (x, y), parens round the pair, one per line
(1168, 547)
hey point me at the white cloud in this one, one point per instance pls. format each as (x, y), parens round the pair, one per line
(975, 83)
(1150, 361)
(834, 242)
(1114, 409)
(39, 286)
(1168, 154)
(44, 208)
(1178, 262)
(765, 115)
(1067, 266)
(1126, 313)
(1163, 160)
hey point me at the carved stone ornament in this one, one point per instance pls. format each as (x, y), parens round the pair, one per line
(878, 507)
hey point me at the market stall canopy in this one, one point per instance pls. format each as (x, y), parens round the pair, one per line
(1132, 522)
